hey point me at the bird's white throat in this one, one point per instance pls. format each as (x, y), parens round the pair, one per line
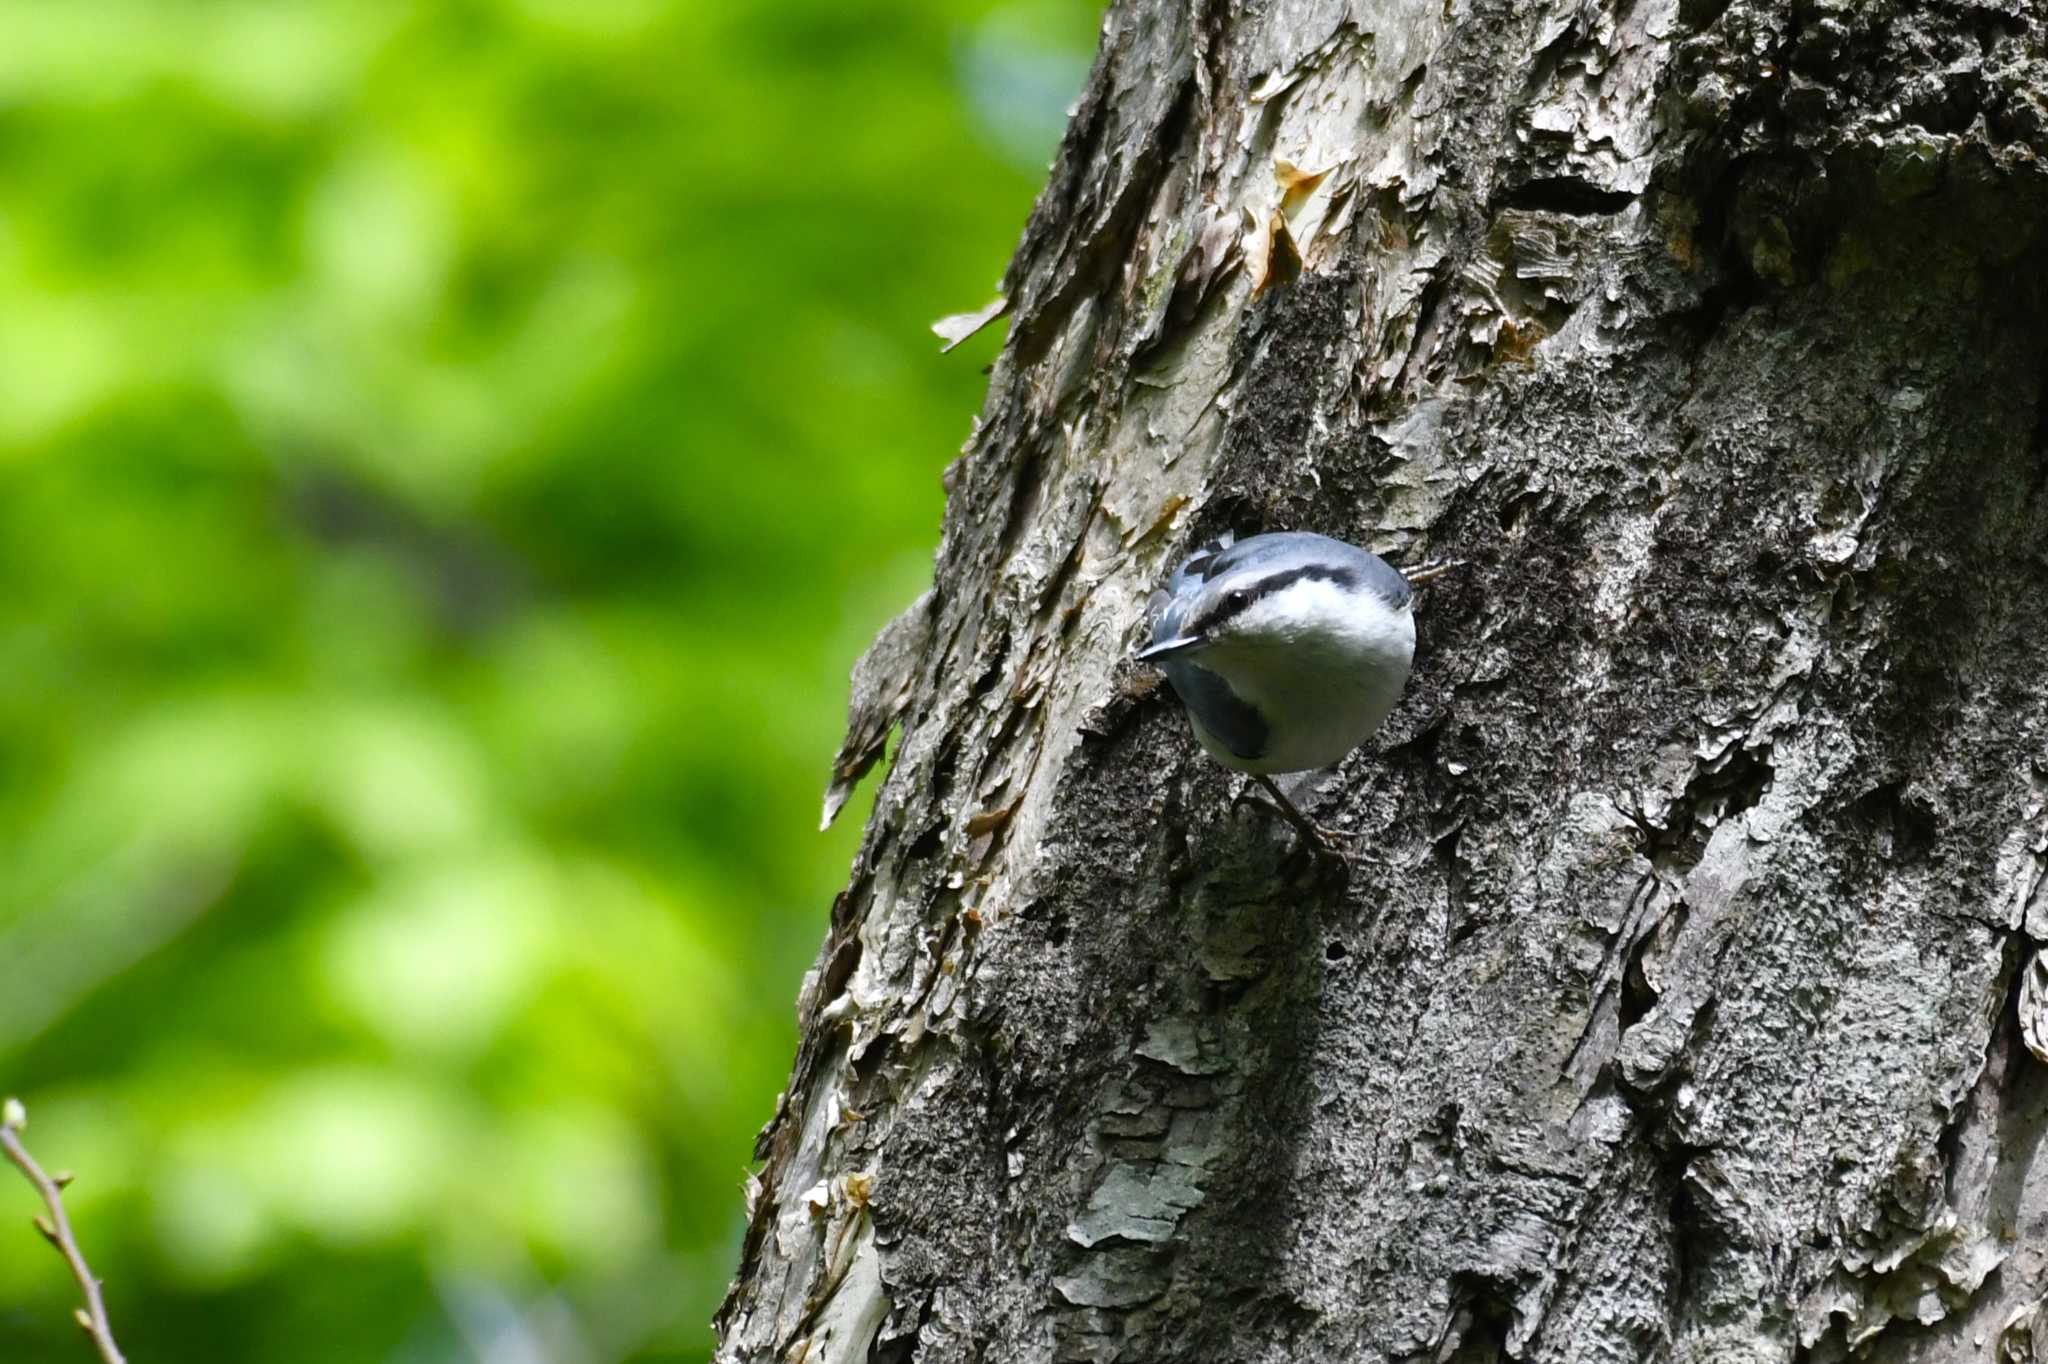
(1322, 666)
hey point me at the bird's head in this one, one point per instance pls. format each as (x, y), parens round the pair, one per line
(1264, 606)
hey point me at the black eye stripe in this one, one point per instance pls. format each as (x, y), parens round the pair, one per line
(1240, 599)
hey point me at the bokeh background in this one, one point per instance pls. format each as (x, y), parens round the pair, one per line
(450, 456)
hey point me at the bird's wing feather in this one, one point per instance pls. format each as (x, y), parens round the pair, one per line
(1230, 720)
(1170, 605)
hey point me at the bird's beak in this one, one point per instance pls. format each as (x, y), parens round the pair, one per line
(1170, 648)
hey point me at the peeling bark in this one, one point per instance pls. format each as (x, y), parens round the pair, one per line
(1683, 1009)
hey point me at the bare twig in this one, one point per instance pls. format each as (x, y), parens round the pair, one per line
(56, 1229)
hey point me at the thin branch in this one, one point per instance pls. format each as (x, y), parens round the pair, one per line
(56, 1229)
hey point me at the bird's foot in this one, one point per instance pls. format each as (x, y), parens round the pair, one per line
(1327, 844)
(1336, 845)
(1341, 842)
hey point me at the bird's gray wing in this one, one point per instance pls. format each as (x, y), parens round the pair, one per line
(1222, 714)
(1230, 720)
(1170, 604)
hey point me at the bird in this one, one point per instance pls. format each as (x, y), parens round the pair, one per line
(1288, 650)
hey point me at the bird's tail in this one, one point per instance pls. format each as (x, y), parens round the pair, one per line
(1197, 563)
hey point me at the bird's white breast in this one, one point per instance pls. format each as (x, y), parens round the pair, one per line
(1322, 666)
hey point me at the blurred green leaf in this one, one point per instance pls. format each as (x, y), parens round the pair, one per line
(450, 457)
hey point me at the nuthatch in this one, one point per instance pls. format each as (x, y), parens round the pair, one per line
(1288, 650)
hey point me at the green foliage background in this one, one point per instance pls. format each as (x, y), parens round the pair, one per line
(450, 456)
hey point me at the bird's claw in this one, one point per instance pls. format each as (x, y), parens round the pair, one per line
(1333, 845)
(1327, 844)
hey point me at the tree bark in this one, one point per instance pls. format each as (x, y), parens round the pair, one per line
(1682, 1008)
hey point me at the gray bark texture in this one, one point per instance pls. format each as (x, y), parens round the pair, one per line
(1682, 1009)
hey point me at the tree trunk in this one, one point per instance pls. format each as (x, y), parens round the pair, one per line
(1682, 1007)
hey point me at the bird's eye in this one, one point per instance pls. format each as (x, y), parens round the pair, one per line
(1238, 600)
